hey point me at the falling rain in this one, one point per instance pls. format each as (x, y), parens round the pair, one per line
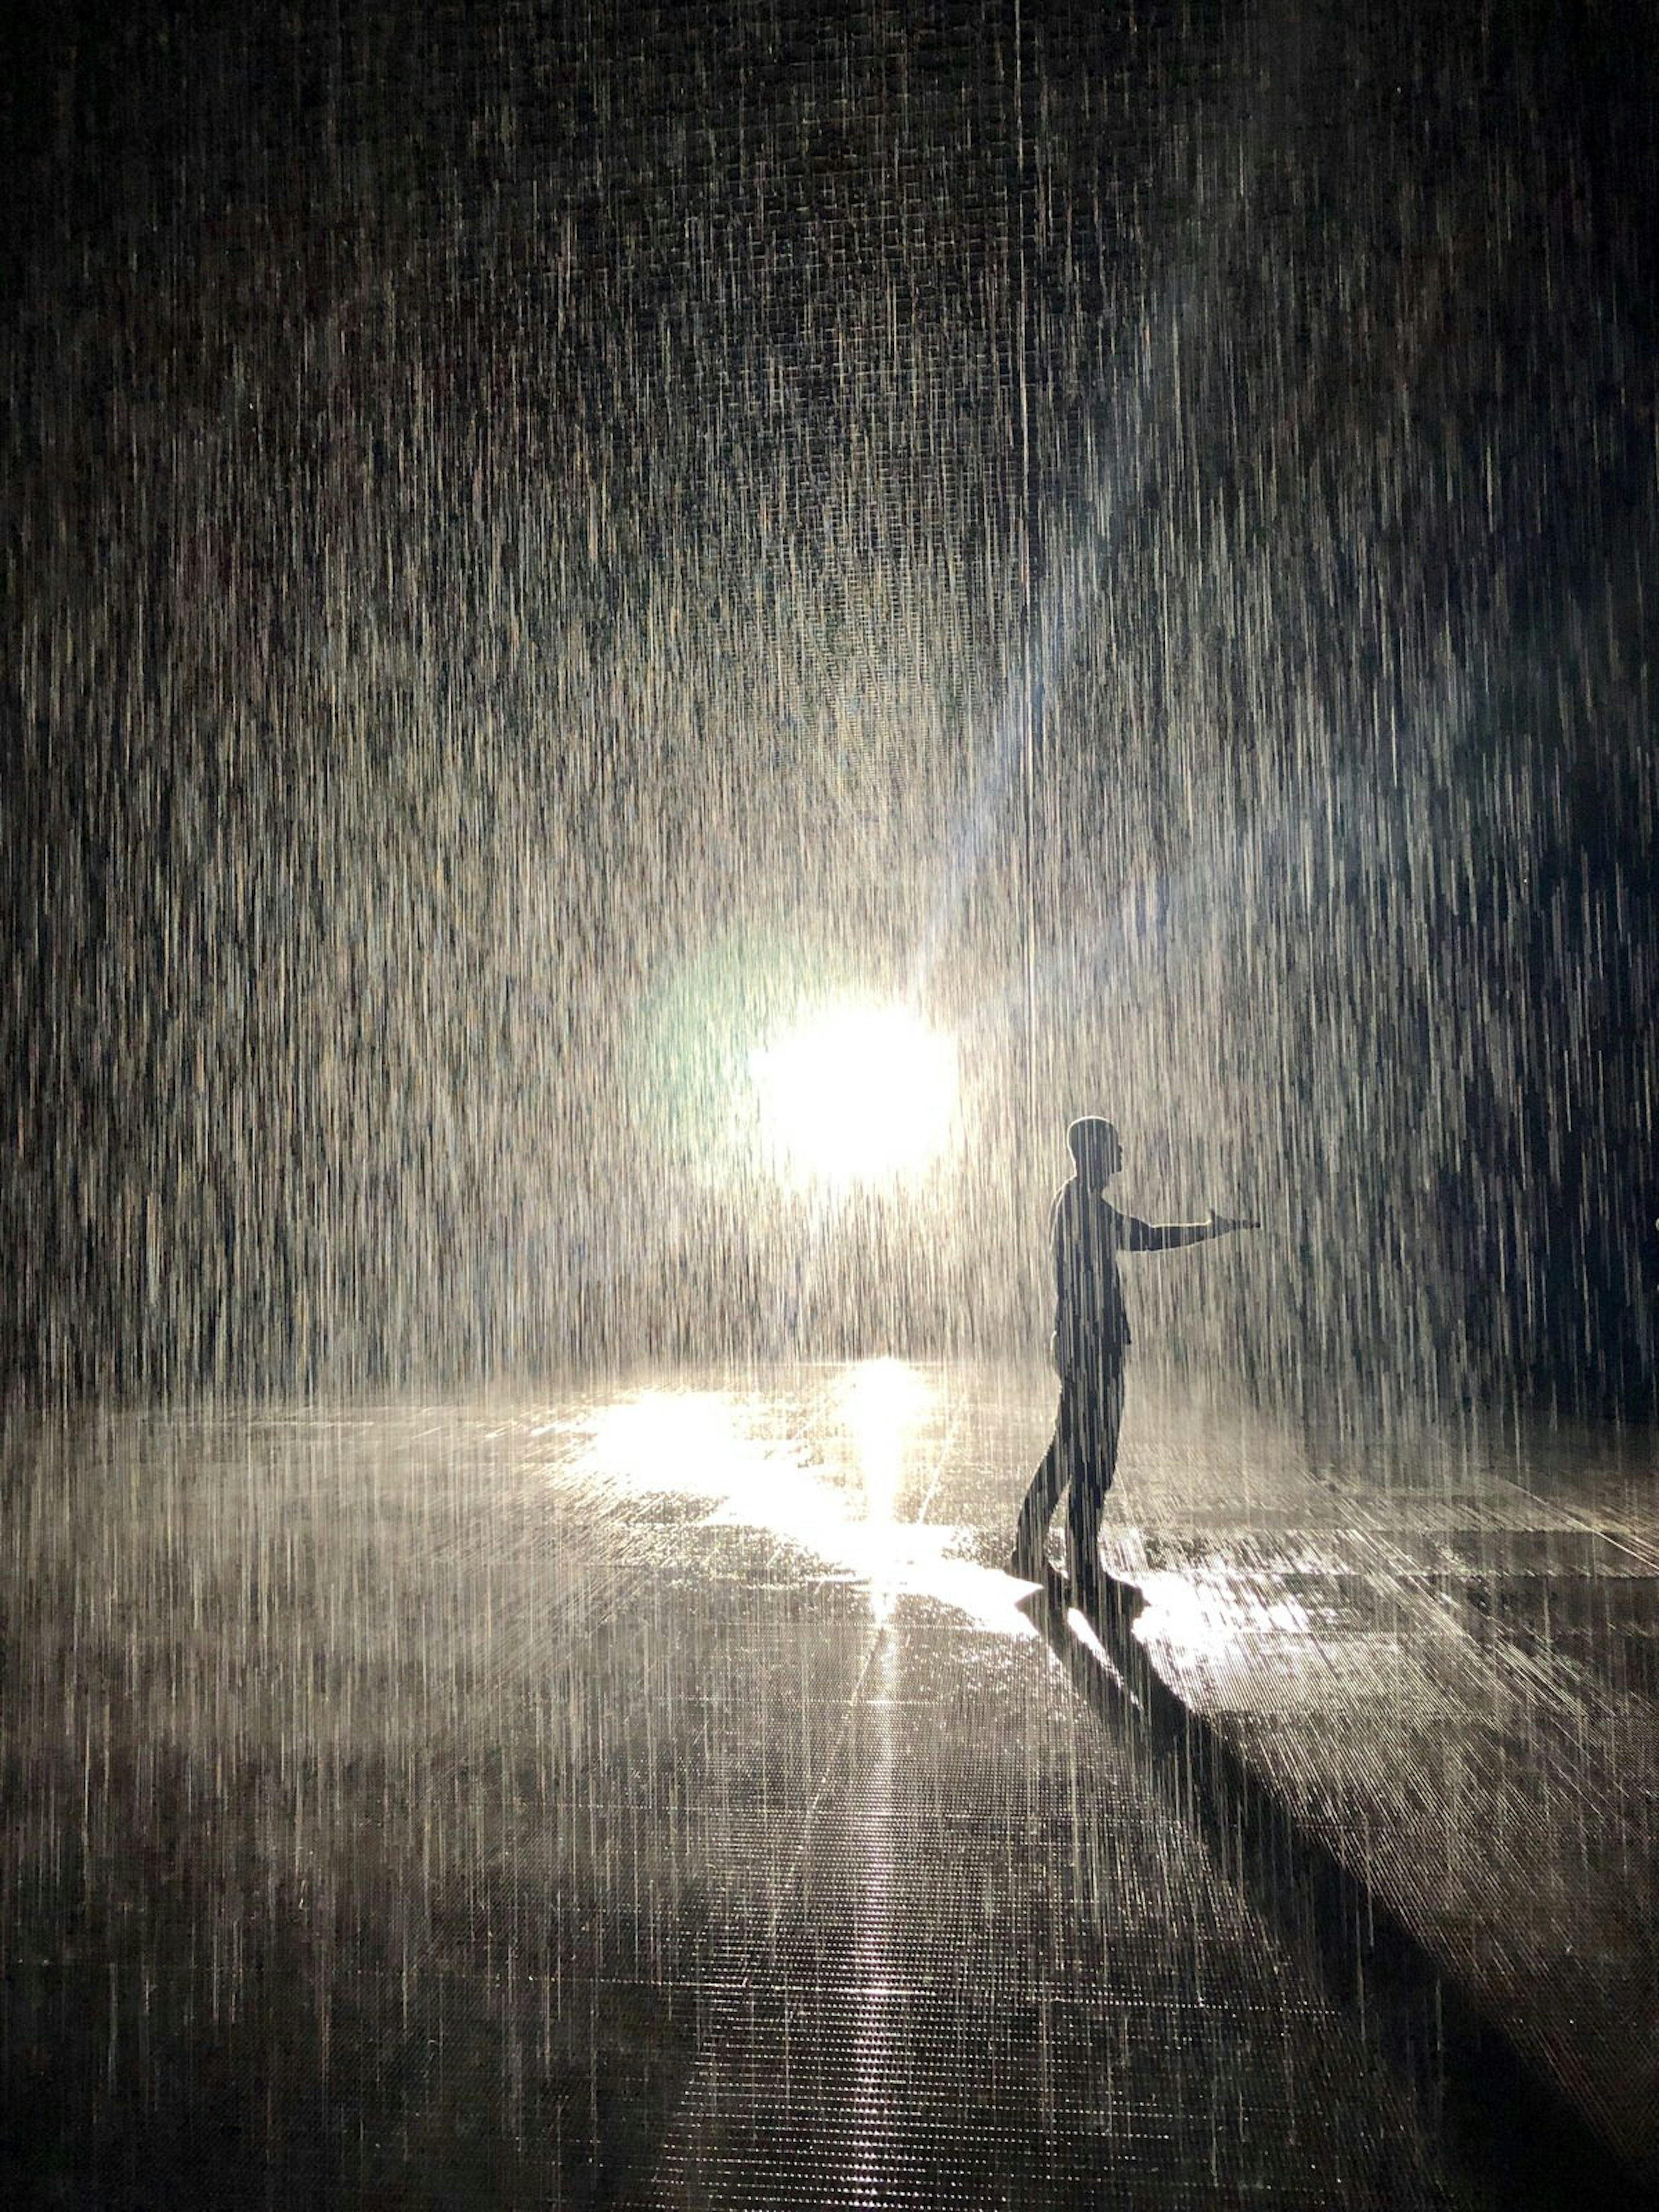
(648, 646)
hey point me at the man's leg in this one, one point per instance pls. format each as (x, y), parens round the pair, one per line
(1100, 1419)
(1055, 1469)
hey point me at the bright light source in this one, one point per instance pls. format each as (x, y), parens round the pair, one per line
(856, 1094)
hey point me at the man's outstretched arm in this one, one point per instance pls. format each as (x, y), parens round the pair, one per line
(1170, 1236)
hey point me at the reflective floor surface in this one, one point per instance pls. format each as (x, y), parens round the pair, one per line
(662, 1796)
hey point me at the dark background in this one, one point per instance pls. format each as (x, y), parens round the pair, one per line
(540, 538)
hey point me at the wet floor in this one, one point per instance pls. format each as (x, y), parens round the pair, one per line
(660, 1794)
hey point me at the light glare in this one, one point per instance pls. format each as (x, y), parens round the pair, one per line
(857, 1094)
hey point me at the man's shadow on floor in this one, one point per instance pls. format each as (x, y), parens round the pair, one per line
(1507, 2132)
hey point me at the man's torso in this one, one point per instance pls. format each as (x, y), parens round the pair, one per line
(1091, 1328)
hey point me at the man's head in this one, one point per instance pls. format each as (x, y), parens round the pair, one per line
(1095, 1147)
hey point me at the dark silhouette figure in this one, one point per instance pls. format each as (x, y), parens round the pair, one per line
(1090, 1342)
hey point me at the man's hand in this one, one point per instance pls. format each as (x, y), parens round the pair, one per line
(1222, 1224)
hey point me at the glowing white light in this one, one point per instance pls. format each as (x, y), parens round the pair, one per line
(857, 1094)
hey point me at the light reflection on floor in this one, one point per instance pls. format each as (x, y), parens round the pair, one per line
(666, 1772)
(715, 1446)
(845, 1510)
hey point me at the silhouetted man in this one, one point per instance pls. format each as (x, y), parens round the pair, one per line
(1091, 1339)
